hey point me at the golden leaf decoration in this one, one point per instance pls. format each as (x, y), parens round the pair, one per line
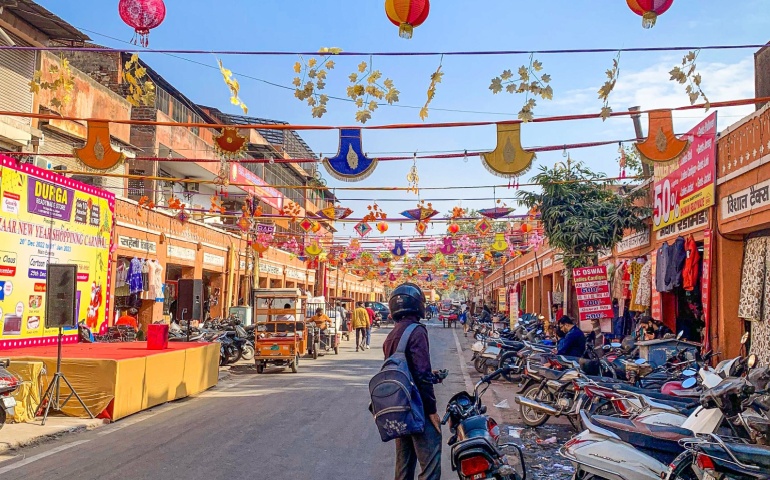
(435, 79)
(686, 74)
(604, 92)
(365, 90)
(529, 82)
(314, 73)
(234, 86)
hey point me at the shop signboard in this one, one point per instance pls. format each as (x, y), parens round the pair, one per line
(633, 241)
(529, 270)
(215, 260)
(706, 287)
(47, 218)
(593, 293)
(513, 304)
(694, 222)
(295, 274)
(501, 300)
(687, 186)
(547, 262)
(755, 197)
(137, 244)
(182, 253)
(270, 268)
(557, 258)
(251, 183)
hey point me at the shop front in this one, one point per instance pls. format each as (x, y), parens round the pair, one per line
(742, 283)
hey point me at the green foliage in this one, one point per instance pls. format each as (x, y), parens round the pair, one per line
(581, 216)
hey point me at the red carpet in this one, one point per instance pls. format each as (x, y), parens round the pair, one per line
(100, 351)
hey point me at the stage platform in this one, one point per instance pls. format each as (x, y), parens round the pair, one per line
(118, 379)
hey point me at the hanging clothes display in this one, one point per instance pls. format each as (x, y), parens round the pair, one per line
(636, 271)
(146, 275)
(122, 268)
(135, 276)
(617, 281)
(691, 265)
(676, 258)
(644, 291)
(754, 302)
(155, 280)
(661, 262)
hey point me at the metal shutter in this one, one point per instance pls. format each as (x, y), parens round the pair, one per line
(16, 71)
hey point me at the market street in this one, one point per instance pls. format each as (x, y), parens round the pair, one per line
(313, 424)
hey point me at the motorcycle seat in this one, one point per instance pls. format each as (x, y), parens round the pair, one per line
(550, 374)
(511, 344)
(659, 441)
(745, 453)
(661, 397)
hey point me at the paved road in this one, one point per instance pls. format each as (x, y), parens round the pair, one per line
(313, 424)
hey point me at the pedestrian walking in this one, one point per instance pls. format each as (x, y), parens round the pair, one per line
(407, 306)
(360, 323)
(370, 312)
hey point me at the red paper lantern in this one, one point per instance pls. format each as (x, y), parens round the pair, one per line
(382, 227)
(142, 16)
(526, 228)
(453, 228)
(407, 14)
(649, 10)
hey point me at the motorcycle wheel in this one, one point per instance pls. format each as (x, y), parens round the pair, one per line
(233, 355)
(510, 359)
(532, 418)
(3, 417)
(681, 467)
(478, 364)
(247, 353)
(295, 365)
(316, 347)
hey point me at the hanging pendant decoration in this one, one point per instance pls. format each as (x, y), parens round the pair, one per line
(483, 226)
(495, 213)
(453, 228)
(499, 245)
(421, 228)
(413, 178)
(229, 143)
(421, 213)
(142, 16)
(509, 159)
(398, 249)
(649, 10)
(363, 228)
(382, 227)
(306, 225)
(98, 152)
(425, 256)
(350, 164)
(407, 14)
(661, 145)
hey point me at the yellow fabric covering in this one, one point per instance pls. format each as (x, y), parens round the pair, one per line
(136, 383)
(28, 394)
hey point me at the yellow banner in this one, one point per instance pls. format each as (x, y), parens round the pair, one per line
(50, 219)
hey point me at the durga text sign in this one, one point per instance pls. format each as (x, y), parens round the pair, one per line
(631, 242)
(138, 244)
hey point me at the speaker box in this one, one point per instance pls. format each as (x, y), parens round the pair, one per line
(61, 287)
(190, 297)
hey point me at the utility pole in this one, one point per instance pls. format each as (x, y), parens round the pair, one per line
(637, 119)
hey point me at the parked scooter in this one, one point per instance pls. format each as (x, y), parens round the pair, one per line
(8, 384)
(475, 451)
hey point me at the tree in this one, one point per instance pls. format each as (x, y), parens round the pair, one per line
(583, 214)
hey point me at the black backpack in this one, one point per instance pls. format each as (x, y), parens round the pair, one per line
(396, 402)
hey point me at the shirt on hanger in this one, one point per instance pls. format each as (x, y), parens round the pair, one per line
(135, 276)
(691, 264)
(661, 266)
(676, 259)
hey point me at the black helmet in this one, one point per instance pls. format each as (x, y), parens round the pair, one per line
(407, 299)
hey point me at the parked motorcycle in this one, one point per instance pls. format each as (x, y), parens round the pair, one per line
(8, 384)
(475, 451)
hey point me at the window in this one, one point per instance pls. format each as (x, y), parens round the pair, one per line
(135, 185)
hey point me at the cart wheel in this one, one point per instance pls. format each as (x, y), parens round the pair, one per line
(260, 368)
(316, 347)
(295, 365)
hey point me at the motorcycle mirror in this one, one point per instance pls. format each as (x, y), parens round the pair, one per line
(689, 372)
(679, 335)
(640, 361)
(539, 332)
(606, 348)
(745, 338)
(689, 383)
(752, 361)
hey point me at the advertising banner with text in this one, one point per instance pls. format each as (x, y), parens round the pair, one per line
(687, 186)
(593, 293)
(47, 218)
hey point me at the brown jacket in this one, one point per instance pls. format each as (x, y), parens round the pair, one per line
(360, 318)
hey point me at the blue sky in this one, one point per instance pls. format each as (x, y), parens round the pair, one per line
(453, 25)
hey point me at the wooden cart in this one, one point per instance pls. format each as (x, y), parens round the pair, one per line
(280, 337)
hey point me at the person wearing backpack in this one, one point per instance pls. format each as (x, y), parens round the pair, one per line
(409, 340)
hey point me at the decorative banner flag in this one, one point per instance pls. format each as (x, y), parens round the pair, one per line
(420, 214)
(398, 250)
(229, 143)
(421, 227)
(448, 248)
(495, 213)
(661, 145)
(98, 153)
(313, 250)
(350, 164)
(509, 159)
(363, 228)
(306, 225)
(499, 244)
(483, 226)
